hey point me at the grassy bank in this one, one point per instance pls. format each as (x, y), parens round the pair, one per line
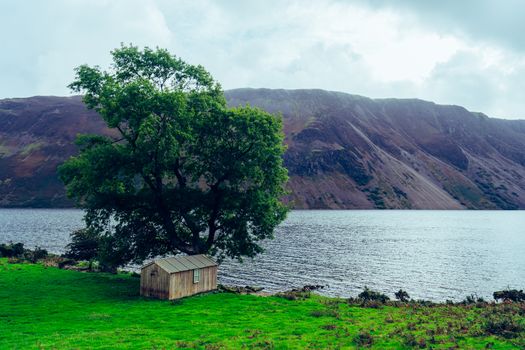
(50, 308)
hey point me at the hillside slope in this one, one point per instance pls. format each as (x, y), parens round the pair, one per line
(348, 151)
(344, 151)
(36, 135)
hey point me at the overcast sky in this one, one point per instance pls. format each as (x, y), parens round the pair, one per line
(469, 52)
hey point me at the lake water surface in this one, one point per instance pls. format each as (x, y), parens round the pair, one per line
(435, 255)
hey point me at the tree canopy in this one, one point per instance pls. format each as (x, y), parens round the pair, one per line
(183, 172)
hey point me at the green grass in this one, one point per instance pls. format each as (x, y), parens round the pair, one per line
(49, 308)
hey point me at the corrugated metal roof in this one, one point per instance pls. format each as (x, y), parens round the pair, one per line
(184, 263)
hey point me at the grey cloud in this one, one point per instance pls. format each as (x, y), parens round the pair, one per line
(495, 21)
(463, 82)
(262, 44)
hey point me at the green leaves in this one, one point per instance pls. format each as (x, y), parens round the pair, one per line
(187, 174)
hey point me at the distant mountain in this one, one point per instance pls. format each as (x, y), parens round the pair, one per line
(344, 151)
(36, 135)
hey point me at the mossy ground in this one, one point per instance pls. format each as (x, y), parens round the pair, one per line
(50, 308)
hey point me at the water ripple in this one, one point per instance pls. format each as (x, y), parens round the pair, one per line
(434, 255)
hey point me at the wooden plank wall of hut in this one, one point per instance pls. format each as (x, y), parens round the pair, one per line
(181, 284)
(154, 282)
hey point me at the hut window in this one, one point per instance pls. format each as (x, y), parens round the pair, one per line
(196, 276)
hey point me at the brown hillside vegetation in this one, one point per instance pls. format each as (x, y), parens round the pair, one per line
(344, 151)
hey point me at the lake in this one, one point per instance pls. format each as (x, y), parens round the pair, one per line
(435, 255)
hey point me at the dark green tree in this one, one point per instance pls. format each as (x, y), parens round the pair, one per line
(84, 246)
(181, 172)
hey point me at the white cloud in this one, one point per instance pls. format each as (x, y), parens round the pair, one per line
(351, 46)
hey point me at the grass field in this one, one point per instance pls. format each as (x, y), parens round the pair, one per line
(49, 308)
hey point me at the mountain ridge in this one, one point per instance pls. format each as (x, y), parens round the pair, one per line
(344, 151)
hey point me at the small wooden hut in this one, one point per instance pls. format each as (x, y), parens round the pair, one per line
(178, 277)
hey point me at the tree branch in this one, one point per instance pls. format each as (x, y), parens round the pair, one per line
(167, 221)
(212, 221)
(181, 179)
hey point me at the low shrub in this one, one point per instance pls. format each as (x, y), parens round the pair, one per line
(402, 295)
(370, 295)
(509, 295)
(17, 253)
(422, 302)
(410, 340)
(364, 339)
(329, 327)
(372, 304)
(503, 325)
(15, 260)
(469, 299)
(422, 343)
(52, 260)
(324, 313)
(263, 344)
(389, 319)
(11, 250)
(182, 344)
(35, 255)
(65, 263)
